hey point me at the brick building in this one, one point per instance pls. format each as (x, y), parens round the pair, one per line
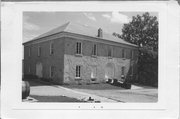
(74, 53)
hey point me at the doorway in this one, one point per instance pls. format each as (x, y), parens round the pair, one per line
(109, 70)
(39, 69)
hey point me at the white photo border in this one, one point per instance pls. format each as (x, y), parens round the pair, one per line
(12, 16)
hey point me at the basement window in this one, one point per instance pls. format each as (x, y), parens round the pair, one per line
(79, 48)
(78, 71)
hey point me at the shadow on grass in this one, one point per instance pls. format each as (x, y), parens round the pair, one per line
(55, 99)
(92, 86)
(100, 86)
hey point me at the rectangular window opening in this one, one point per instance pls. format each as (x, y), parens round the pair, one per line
(94, 50)
(110, 52)
(51, 49)
(51, 71)
(78, 48)
(78, 71)
(93, 71)
(29, 69)
(123, 53)
(39, 51)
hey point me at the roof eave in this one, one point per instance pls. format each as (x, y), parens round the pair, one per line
(35, 39)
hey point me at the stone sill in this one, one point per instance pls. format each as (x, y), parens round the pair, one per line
(78, 55)
(78, 78)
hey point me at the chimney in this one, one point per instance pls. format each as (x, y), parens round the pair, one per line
(100, 33)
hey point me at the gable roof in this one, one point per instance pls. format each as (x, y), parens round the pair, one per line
(83, 30)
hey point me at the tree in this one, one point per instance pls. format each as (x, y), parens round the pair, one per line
(143, 31)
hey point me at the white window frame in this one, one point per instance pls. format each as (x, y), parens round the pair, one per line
(51, 48)
(78, 48)
(78, 71)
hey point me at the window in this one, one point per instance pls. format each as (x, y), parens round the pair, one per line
(123, 53)
(39, 51)
(93, 71)
(29, 52)
(51, 71)
(51, 49)
(132, 54)
(122, 70)
(94, 51)
(78, 48)
(110, 52)
(78, 71)
(29, 69)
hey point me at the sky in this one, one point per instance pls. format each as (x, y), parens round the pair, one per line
(37, 23)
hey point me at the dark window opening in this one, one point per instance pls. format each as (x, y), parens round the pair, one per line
(78, 71)
(51, 48)
(78, 48)
(109, 52)
(94, 49)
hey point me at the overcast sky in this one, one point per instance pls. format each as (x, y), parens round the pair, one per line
(37, 23)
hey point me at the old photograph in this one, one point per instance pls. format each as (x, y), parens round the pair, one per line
(90, 57)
